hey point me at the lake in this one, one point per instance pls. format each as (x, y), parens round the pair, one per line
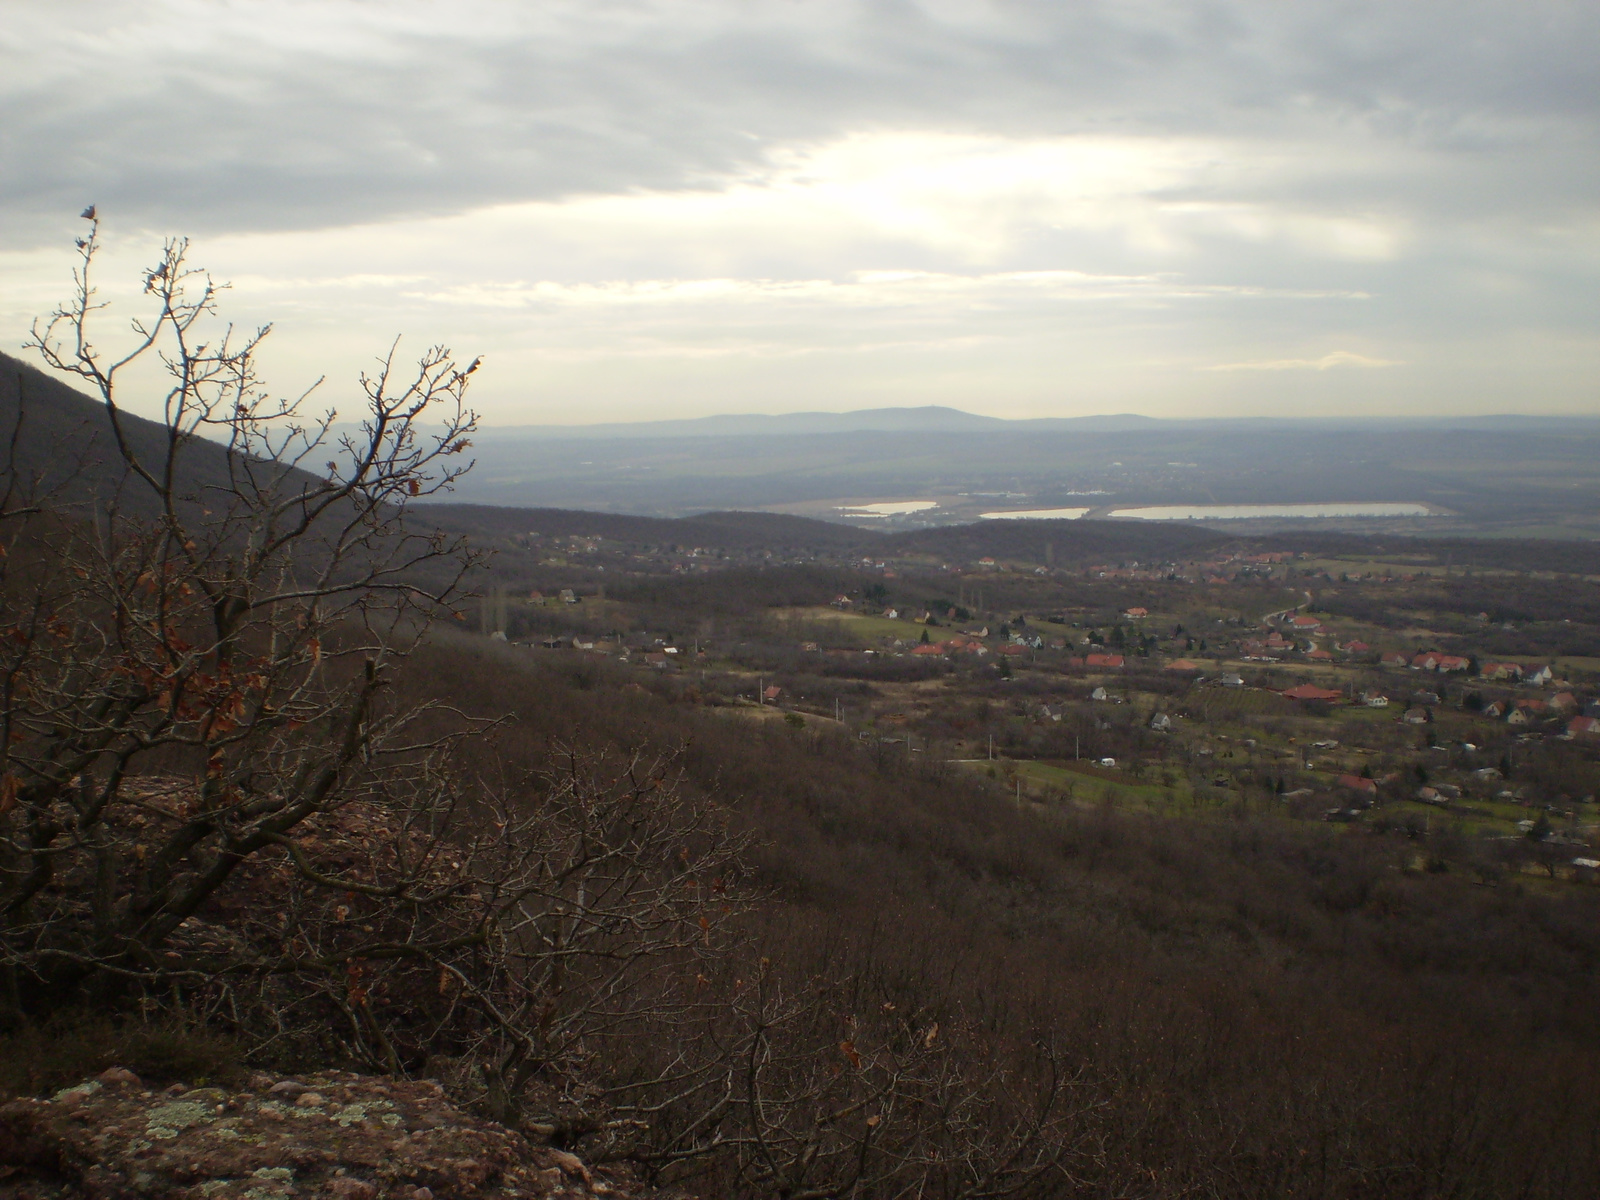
(889, 508)
(1221, 512)
(1036, 514)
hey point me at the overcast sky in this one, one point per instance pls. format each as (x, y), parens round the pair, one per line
(642, 209)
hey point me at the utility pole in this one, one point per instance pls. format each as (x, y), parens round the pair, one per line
(991, 747)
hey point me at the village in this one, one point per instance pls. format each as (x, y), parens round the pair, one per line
(1369, 694)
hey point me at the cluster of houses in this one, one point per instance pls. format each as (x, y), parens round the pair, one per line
(1274, 647)
(960, 644)
(1453, 664)
(1210, 571)
(1302, 630)
(1517, 711)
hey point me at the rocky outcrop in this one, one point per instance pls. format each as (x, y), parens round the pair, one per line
(334, 1135)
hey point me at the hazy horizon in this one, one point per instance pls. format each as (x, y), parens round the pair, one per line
(655, 211)
(905, 410)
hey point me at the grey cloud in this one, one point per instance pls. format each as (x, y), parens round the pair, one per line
(181, 116)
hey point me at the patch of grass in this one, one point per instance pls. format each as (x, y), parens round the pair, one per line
(1090, 781)
(869, 627)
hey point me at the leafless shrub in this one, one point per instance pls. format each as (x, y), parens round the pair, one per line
(227, 615)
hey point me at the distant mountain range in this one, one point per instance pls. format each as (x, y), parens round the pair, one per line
(939, 419)
(927, 419)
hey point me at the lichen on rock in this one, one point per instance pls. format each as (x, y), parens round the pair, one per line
(359, 1138)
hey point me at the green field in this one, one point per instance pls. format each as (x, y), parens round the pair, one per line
(871, 630)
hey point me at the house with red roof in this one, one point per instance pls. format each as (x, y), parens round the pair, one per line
(1396, 660)
(1302, 623)
(1310, 691)
(1136, 613)
(1502, 670)
(1584, 726)
(1319, 656)
(1356, 783)
(1112, 661)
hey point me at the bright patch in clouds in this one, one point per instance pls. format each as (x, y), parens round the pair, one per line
(1339, 358)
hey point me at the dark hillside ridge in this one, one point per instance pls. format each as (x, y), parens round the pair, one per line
(1059, 543)
(63, 446)
(66, 452)
(716, 530)
(1029, 541)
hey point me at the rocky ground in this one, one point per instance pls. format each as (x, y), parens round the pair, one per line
(325, 1135)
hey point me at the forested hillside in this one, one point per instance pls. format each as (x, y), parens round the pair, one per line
(1234, 1006)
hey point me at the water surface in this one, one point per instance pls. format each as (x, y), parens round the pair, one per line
(1222, 512)
(1036, 514)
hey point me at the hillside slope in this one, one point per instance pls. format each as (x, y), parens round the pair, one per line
(1031, 541)
(63, 450)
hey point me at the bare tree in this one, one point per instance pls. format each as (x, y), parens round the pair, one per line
(228, 617)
